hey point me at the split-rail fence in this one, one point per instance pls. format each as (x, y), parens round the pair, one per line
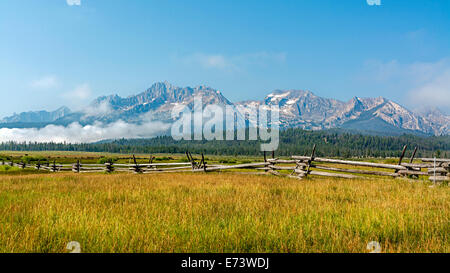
(437, 170)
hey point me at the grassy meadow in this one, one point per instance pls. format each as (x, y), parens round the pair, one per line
(219, 212)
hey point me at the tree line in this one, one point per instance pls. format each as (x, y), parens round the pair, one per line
(292, 142)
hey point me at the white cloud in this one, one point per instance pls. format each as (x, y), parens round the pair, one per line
(214, 61)
(81, 92)
(73, 2)
(416, 35)
(433, 93)
(46, 82)
(422, 84)
(233, 62)
(76, 133)
(102, 109)
(260, 58)
(413, 73)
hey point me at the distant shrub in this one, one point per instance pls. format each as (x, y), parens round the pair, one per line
(391, 161)
(227, 161)
(4, 157)
(104, 160)
(164, 158)
(5, 168)
(29, 159)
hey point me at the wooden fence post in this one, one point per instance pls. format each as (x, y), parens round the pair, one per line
(109, 166)
(191, 158)
(447, 168)
(150, 161)
(401, 157)
(204, 163)
(38, 165)
(200, 165)
(77, 168)
(411, 161)
(413, 155)
(311, 159)
(265, 161)
(54, 166)
(137, 168)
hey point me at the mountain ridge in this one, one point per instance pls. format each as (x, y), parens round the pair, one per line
(37, 116)
(298, 109)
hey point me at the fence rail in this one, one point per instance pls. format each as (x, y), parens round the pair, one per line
(300, 167)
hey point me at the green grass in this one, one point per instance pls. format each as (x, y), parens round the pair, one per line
(6, 169)
(220, 213)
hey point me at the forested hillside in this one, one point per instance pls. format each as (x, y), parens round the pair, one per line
(293, 141)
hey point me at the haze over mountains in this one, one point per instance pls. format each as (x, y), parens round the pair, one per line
(38, 116)
(298, 108)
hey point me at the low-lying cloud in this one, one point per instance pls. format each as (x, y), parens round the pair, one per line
(101, 109)
(76, 133)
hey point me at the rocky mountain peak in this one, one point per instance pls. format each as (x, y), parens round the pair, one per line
(298, 108)
(37, 116)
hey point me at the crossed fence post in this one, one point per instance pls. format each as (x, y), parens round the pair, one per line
(137, 168)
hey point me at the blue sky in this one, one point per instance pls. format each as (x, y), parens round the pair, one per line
(54, 54)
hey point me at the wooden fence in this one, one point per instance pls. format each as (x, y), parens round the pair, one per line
(300, 167)
(437, 170)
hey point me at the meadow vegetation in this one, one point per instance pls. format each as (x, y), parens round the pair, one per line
(220, 212)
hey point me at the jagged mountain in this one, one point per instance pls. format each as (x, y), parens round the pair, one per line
(157, 102)
(305, 110)
(37, 116)
(298, 108)
(163, 93)
(437, 119)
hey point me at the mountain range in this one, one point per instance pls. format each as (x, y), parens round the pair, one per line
(298, 109)
(38, 116)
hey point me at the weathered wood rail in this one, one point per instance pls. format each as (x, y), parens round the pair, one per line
(437, 170)
(302, 166)
(335, 168)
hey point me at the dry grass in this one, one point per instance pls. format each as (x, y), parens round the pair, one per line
(219, 213)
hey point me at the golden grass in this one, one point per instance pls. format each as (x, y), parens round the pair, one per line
(220, 213)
